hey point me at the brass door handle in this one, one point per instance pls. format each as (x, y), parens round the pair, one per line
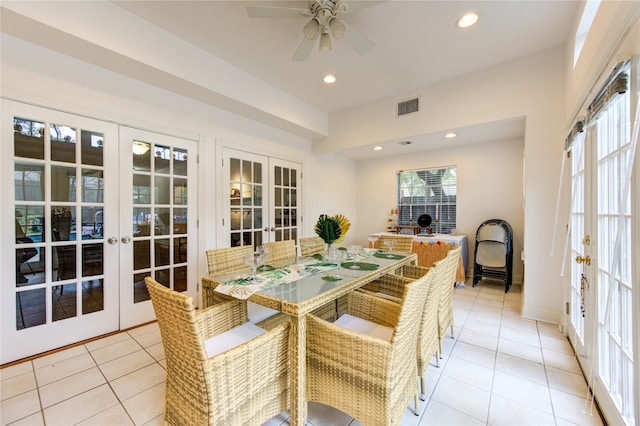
(586, 260)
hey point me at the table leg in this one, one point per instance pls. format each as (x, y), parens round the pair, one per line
(298, 371)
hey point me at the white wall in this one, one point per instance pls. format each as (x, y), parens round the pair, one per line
(533, 88)
(489, 186)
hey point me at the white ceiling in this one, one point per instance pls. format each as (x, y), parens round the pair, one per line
(416, 45)
(416, 42)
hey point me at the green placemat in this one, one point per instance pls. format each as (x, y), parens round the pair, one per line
(362, 266)
(317, 256)
(331, 278)
(265, 268)
(387, 255)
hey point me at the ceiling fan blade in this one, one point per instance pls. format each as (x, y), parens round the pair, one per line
(304, 49)
(276, 12)
(356, 40)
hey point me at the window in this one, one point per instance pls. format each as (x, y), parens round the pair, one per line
(428, 191)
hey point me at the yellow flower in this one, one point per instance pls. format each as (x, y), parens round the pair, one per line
(344, 226)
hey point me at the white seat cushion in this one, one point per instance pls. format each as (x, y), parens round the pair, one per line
(232, 338)
(360, 325)
(257, 313)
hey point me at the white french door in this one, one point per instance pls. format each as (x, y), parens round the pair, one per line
(602, 292)
(60, 195)
(260, 199)
(158, 231)
(90, 210)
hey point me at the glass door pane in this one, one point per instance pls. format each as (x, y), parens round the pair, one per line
(285, 190)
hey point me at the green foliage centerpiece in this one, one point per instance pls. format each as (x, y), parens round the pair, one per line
(332, 229)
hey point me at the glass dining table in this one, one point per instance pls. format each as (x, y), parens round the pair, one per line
(297, 287)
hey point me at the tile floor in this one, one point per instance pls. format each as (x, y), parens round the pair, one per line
(499, 369)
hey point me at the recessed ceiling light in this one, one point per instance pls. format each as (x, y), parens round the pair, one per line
(405, 142)
(377, 148)
(467, 20)
(329, 79)
(450, 135)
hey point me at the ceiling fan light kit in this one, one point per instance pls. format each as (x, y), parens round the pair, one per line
(324, 23)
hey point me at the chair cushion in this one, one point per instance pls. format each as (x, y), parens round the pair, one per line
(360, 325)
(230, 339)
(257, 313)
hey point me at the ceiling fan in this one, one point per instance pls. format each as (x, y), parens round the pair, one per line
(324, 22)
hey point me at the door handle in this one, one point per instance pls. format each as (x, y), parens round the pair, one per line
(112, 240)
(125, 240)
(586, 260)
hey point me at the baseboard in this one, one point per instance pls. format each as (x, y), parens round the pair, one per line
(541, 315)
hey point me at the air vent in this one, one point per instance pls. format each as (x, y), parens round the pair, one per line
(408, 107)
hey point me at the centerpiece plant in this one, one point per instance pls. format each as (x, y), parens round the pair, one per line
(332, 229)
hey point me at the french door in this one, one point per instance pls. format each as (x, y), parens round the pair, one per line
(60, 192)
(87, 216)
(157, 219)
(602, 291)
(260, 199)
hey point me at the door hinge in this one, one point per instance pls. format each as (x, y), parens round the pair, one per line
(198, 159)
(568, 308)
(222, 222)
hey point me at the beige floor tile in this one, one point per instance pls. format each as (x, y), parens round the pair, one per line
(519, 323)
(567, 381)
(522, 391)
(148, 339)
(58, 357)
(488, 328)
(505, 412)
(64, 368)
(550, 330)
(520, 350)
(475, 354)
(478, 339)
(574, 409)
(147, 405)
(126, 364)
(561, 360)
(156, 421)
(556, 344)
(107, 341)
(16, 370)
(138, 381)
(81, 407)
(519, 336)
(70, 386)
(33, 420)
(18, 407)
(109, 353)
(452, 392)
(522, 368)
(438, 414)
(16, 385)
(470, 373)
(115, 415)
(156, 351)
(144, 329)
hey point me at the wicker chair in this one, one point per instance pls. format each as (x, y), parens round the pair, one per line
(220, 369)
(364, 364)
(445, 310)
(228, 259)
(311, 245)
(404, 245)
(392, 287)
(280, 250)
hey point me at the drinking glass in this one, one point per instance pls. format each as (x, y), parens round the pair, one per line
(354, 251)
(253, 260)
(339, 256)
(391, 243)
